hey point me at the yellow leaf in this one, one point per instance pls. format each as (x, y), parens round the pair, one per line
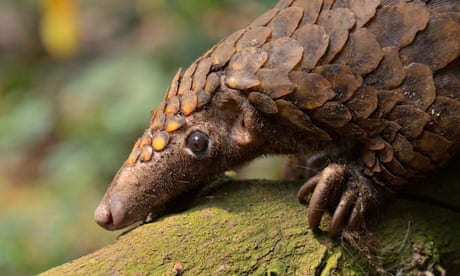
(58, 28)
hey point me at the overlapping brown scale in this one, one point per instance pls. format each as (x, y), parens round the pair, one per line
(145, 140)
(241, 79)
(332, 114)
(403, 149)
(160, 140)
(146, 153)
(363, 102)
(398, 25)
(225, 49)
(188, 103)
(282, 4)
(286, 22)
(353, 131)
(174, 122)
(373, 126)
(397, 168)
(253, 37)
(201, 72)
(446, 9)
(418, 87)
(327, 4)
(336, 22)
(362, 52)
(390, 73)
(212, 83)
(275, 82)
(369, 158)
(390, 131)
(433, 146)
(448, 82)
(445, 118)
(363, 9)
(172, 105)
(263, 103)
(186, 81)
(265, 18)
(420, 163)
(436, 47)
(291, 115)
(387, 100)
(283, 53)
(158, 121)
(249, 59)
(344, 81)
(172, 91)
(374, 143)
(314, 40)
(391, 178)
(411, 119)
(202, 98)
(311, 9)
(386, 154)
(134, 155)
(311, 90)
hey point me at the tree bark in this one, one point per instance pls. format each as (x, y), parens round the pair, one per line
(258, 227)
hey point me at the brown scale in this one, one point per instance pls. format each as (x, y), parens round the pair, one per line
(315, 40)
(286, 22)
(254, 37)
(337, 24)
(283, 53)
(263, 103)
(418, 87)
(311, 9)
(363, 102)
(342, 78)
(363, 10)
(362, 52)
(249, 59)
(398, 25)
(293, 116)
(382, 73)
(275, 82)
(390, 73)
(311, 90)
(439, 45)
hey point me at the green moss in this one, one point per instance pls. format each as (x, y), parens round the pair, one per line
(257, 227)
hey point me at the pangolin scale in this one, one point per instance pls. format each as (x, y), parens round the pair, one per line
(367, 93)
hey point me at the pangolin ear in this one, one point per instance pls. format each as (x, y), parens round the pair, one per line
(240, 117)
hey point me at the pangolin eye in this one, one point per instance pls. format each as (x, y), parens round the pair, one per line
(197, 142)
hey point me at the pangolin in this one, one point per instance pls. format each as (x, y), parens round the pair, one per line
(367, 93)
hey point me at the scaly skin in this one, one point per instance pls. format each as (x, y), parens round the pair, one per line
(370, 91)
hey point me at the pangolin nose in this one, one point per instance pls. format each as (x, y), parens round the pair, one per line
(103, 216)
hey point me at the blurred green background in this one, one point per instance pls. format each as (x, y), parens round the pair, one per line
(78, 80)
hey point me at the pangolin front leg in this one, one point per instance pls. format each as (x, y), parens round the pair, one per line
(342, 188)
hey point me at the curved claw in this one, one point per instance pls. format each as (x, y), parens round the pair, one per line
(331, 176)
(307, 188)
(350, 197)
(341, 212)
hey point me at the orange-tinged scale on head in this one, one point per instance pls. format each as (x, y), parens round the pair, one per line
(134, 155)
(160, 140)
(174, 122)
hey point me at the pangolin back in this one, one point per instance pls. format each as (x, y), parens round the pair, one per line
(384, 73)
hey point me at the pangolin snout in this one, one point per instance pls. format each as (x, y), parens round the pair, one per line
(112, 216)
(118, 208)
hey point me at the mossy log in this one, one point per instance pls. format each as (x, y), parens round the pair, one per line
(258, 227)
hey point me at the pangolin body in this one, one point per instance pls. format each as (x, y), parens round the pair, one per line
(373, 86)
